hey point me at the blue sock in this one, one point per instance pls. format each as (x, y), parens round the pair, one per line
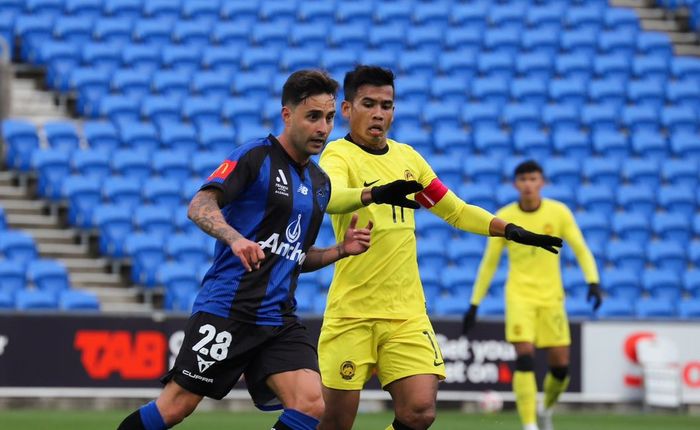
(297, 420)
(150, 417)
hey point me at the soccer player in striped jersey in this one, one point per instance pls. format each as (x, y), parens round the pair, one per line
(535, 313)
(376, 318)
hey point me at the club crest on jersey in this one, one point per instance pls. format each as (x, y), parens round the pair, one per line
(281, 183)
(291, 249)
(408, 175)
(322, 197)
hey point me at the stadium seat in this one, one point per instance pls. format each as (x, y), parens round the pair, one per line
(507, 17)
(686, 145)
(529, 91)
(567, 91)
(194, 33)
(616, 308)
(683, 67)
(492, 307)
(460, 62)
(428, 37)
(189, 188)
(632, 227)
(231, 35)
(483, 170)
(76, 29)
(506, 194)
(451, 140)
(689, 309)
(431, 253)
(244, 134)
(672, 227)
(563, 171)
(124, 191)
(113, 222)
(48, 275)
(122, 8)
(161, 9)
(220, 58)
(51, 167)
(505, 41)
(595, 226)
(74, 300)
(147, 254)
(481, 115)
(466, 253)
(478, 195)
(531, 143)
(180, 300)
(35, 300)
(656, 307)
(218, 138)
(667, 255)
(153, 31)
(596, 198)
(449, 91)
(680, 172)
(578, 308)
(12, 276)
(620, 43)
(163, 192)
(663, 284)
(154, 220)
(650, 67)
(679, 199)
(135, 83)
(649, 144)
(541, 42)
(641, 171)
(21, 139)
(389, 36)
(580, 41)
(600, 117)
(173, 165)
(161, 109)
(521, 116)
(171, 82)
(679, 119)
(610, 143)
(83, 8)
(558, 118)
(626, 255)
(492, 142)
(683, 92)
(577, 66)
(654, 43)
(178, 136)
(91, 163)
(637, 198)
(441, 113)
(611, 66)
(118, 108)
(201, 111)
(139, 135)
(415, 136)
(646, 93)
(83, 195)
(448, 168)
(7, 301)
(141, 57)
(18, 246)
(61, 135)
(490, 90)
(621, 283)
(431, 228)
(561, 193)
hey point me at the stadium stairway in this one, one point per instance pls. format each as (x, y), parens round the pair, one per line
(46, 222)
(675, 24)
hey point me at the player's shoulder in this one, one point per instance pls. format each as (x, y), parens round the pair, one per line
(252, 147)
(338, 145)
(556, 206)
(508, 209)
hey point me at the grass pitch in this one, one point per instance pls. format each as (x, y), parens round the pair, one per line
(447, 420)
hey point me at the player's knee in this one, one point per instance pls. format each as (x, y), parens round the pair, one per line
(175, 413)
(310, 404)
(559, 372)
(418, 415)
(525, 363)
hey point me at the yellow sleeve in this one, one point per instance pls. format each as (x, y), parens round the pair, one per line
(487, 268)
(343, 199)
(445, 204)
(573, 237)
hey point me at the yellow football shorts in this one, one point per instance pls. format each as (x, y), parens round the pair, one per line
(544, 326)
(351, 349)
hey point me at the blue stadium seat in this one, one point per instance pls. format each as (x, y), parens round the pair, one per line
(578, 308)
(607, 91)
(575, 65)
(51, 167)
(48, 275)
(581, 41)
(621, 284)
(139, 135)
(201, 110)
(679, 119)
(679, 199)
(481, 115)
(381, 57)
(654, 43)
(560, 117)
(506, 194)
(161, 9)
(472, 15)
(612, 66)
(163, 192)
(646, 93)
(483, 170)
(663, 284)
(75, 300)
(505, 41)
(621, 43)
(390, 37)
(76, 29)
(12, 275)
(640, 117)
(529, 91)
(595, 226)
(667, 255)
(620, 308)
(689, 309)
(650, 67)
(641, 171)
(100, 135)
(460, 62)
(492, 142)
(161, 109)
(562, 193)
(490, 90)
(637, 198)
(448, 90)
(182, 58)
(567, 91)
(91, 163)
(244, 134)
(178, 136)
(271, 35)
(211, 83)
(490, 306)
(83, 195)
(7, 300)
(649, 144)
(21, 139)
(84, 8)
(239, 110)
(683, 92)
(122, 8)
(239, 11)
(217, 138)
(316, 13)
(231, 35)
(181, 222)
(478, 195)
(431, 253)
(251, 85)
(117, 108)
(31, 300)
(153, 31)
(540, 41)
(532, 143)
(147, 255)
(154, 220)
(432, 228)
(141, 57)
(133, 163)
(506, 17)
(177, 278)
(691, 283)
(619, 18)
(450, 305)
(655, 308)
(189, 188)
(545, 16)
(680, 172)
(58, 58)
(131, 82)
(686, 145)
(596, 198)
(90, 83)
(61, 135)
(496, 65)
(610, 143)
(448, 168)
(457, 280)
(626, 255)
(113, 222)
(428, 37)
(171, 82)
(441, 113)
(588, 17)
(685, 68)
(466, 253)
(632, 227)
(518, 116)
(220, 58)
(173, 165)
(297, 59)
(673, 227)
(451, 140)
(600, 117)
(205, 10)
(18, 246)
(32, 30)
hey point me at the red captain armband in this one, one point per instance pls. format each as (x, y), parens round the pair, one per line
(221, 173)
(432, 194)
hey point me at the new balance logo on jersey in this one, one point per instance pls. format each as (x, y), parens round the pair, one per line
(291, 249)
(281, 184)
(203, 364)
(303, 189)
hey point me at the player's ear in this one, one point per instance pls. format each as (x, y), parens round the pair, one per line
(286, 114)
(345, 107)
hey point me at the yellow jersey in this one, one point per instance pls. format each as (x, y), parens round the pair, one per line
(384, 281)
(534, 274)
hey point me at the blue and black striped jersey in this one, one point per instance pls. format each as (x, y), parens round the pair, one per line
(272, 200)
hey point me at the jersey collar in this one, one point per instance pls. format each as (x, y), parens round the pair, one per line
(276, 143)
(366, 149)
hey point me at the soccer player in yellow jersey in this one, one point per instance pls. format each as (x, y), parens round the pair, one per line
(376, 319)
(535, 314)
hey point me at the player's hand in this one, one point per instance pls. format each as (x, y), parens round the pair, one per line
(356, 240)
(394, 193)
(469, 319)
(250, 253)
(525, 237)
(595, 295)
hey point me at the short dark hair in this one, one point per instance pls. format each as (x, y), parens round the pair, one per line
(366, 75)
(303, 84)
(528, 166)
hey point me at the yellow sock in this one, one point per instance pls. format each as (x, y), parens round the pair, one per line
(553, 387)
(391, 427)
(525, 389)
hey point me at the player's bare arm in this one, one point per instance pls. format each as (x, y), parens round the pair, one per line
(205, 211)
(356, 241)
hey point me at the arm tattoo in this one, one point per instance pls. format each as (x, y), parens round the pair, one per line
(317, 258)
(205, 212)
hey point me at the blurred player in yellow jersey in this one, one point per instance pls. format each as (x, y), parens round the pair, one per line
(535, 314)
(376, 316)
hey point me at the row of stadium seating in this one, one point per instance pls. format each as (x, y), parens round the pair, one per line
(693, 7)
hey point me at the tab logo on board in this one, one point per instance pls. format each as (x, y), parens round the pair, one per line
(132, 356)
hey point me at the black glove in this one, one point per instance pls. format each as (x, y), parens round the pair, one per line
(469, 319)
(394, 193)
(595, 294)
(520, 235)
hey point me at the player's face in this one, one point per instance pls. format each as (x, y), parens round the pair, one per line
(529, 185)
(370, 113)
(308, 124)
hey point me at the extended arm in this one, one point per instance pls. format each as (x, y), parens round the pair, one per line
(356, 241)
